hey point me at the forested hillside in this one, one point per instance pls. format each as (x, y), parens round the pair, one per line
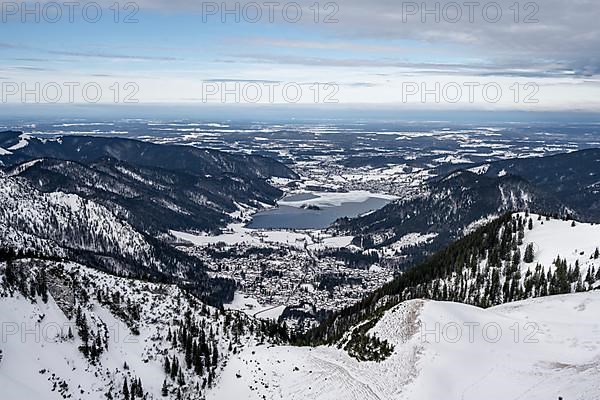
(493, 265)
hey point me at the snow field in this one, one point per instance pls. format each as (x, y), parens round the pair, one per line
(436, 356)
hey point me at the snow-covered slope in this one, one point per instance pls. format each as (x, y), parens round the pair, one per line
(64, 226)
(58, 220)
(573, 241)
(132, 327)
(534, 349)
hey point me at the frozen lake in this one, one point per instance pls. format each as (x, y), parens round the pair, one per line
(317, 210)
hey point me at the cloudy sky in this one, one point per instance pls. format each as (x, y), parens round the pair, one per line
(433, 55)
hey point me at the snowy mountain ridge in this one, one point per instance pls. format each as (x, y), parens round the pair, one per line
(77, 223)
(67, 227)
(535, 349)
(562, 185)
(155, 187)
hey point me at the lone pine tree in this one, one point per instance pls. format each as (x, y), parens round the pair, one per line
(529, 253)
